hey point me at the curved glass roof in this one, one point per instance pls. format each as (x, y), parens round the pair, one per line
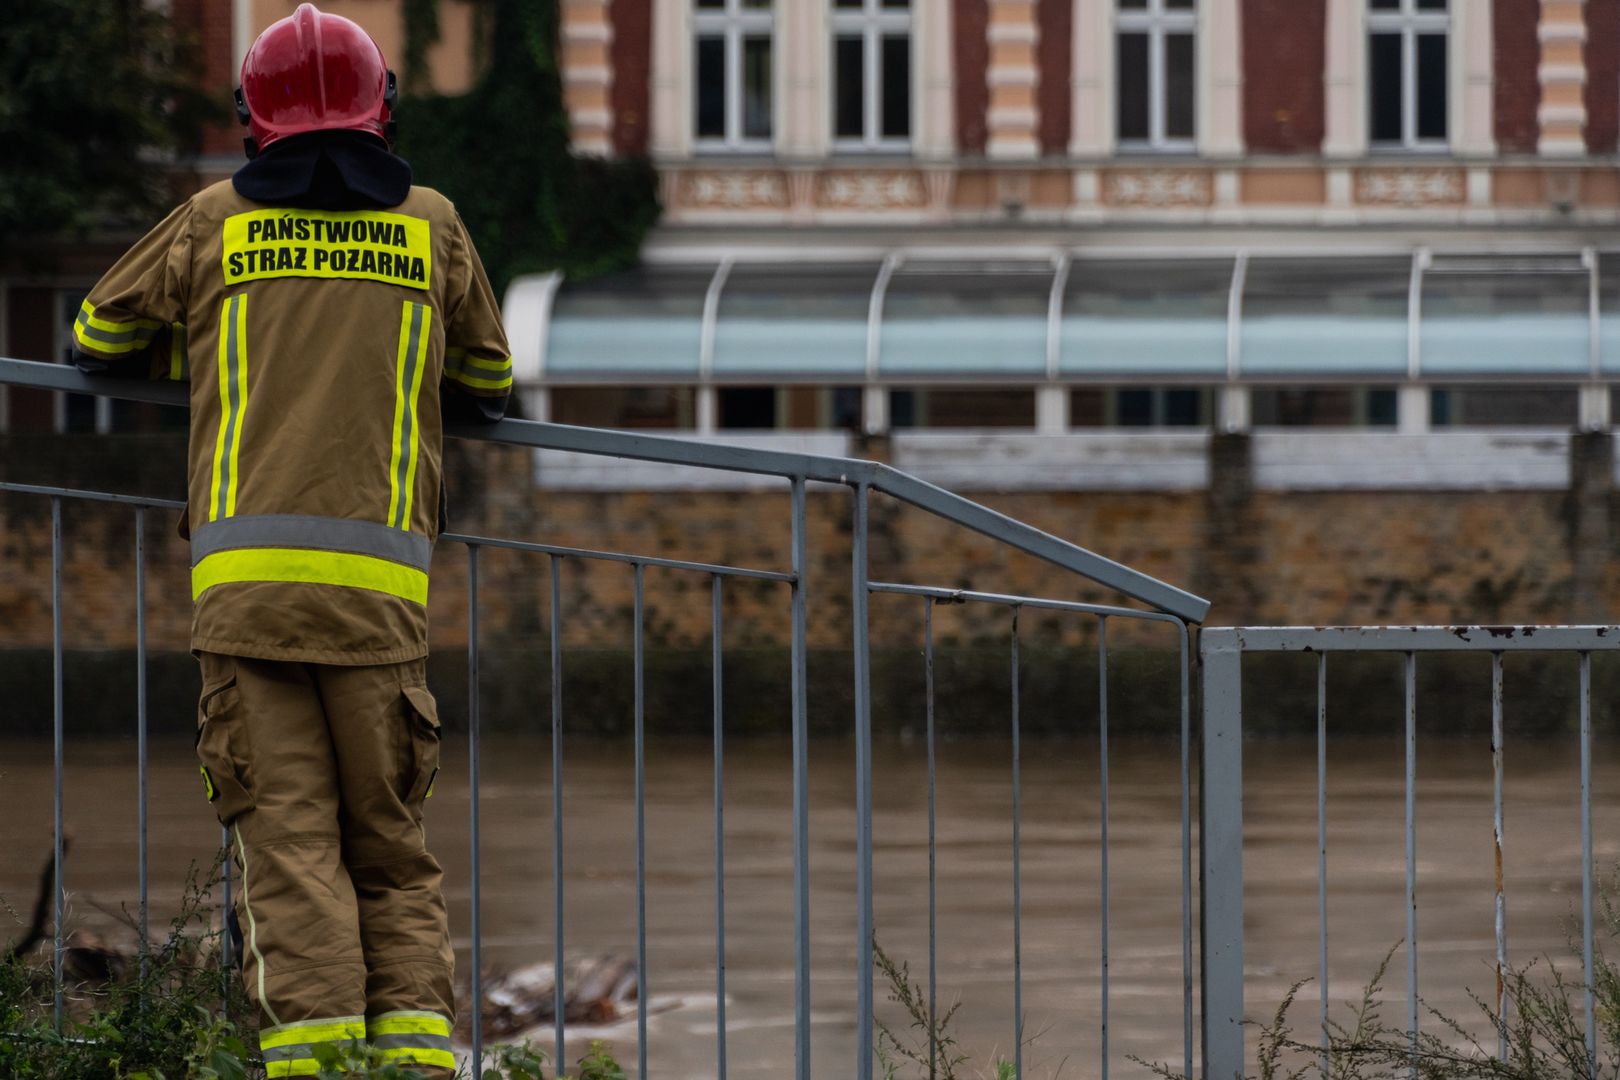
(1145, 317)
(643, 321)
(965, 318)
(1506, 317)
(776, 317)
(1303, 316)
(1092, 317)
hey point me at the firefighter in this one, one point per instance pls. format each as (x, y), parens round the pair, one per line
(330, 317)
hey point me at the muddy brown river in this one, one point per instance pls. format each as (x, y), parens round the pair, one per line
(1061, 885)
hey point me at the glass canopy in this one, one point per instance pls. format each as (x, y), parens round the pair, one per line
(1506, 317)
(1608, 309)
(966, 319)
(642, 322)
(779, 318)
(1091, 318)
(1141, 317)
(1311, 316)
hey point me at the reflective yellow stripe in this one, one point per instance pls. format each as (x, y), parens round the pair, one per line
(90, 344)
(309, 567)
(488, 365)
(177, 351)
(296, 1067)
(408, 1024)
(88, 311)
(242, 403)
(481, 384)
(312, 1031)
(415, 328)
(208, 783)
(441, 1058)
(233, 363)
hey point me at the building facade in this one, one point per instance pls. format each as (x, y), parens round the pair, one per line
(924, 218)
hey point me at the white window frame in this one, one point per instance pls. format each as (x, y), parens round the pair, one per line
(873, 23)
(732, 23)
(1409, 22)
(1157, 21)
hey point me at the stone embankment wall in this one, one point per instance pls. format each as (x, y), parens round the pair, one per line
(1262, 556)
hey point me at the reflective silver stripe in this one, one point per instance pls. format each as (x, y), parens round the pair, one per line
(411, 1042)
(137, 332)
(299, 1051)
(317, 533)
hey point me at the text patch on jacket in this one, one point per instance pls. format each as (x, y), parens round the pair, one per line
(374, 244)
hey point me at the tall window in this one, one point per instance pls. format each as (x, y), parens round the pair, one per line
(1156, 67)
(1406, 72)
(732, 105)
(872, 74)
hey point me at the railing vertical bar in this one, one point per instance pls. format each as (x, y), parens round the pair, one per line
(641, 825)
(717, 632)
(1497, 830)
(1017, 866)
(1185, 645)
(1586, 860)
(477, 1005)
(801, 794)
(933, 867)
(557, 807)
(57, 755)
(1321, 850)
(140, 738)
(1220, 854)
(1411, 858)
(863, 780)
(1102, 770)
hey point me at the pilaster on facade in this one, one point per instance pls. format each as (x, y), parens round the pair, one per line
(1013, 117)
(1562, 116)
(1345, 80)
(934, 137)
(1093, 79)
(671, 82)
(804, 122)
(587, 74)
(1220, 84)
(1473, 86)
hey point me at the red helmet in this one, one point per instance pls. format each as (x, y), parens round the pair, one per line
(314, 72)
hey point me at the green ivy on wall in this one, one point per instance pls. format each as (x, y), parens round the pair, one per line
(500, 152)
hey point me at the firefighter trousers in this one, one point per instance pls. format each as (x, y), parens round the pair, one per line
(319, 773)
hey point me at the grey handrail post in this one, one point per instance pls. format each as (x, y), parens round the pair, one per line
(1221, 854)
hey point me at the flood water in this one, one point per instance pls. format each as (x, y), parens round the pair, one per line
(1060, 879)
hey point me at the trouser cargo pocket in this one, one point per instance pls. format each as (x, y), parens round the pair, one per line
(422, 716)
(223, 750)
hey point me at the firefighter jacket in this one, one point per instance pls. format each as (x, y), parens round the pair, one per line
(321, 348)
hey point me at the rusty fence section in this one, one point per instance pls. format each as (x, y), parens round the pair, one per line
(1221, 837)
(1161, 603)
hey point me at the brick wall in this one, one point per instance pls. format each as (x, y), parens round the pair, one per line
(632, 66)
(1055, 58)
(209, 22)
(1284, 57)
(1260, 556)
(1603, 76)
(971, 54)
(1518, 84)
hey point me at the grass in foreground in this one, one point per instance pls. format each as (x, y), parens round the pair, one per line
(183, 1019)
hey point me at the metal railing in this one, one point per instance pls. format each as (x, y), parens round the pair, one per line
(1222, 832)
(1167, 604)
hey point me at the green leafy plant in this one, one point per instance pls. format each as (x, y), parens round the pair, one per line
(179, 1017)
(97, 98)
(500, 152)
